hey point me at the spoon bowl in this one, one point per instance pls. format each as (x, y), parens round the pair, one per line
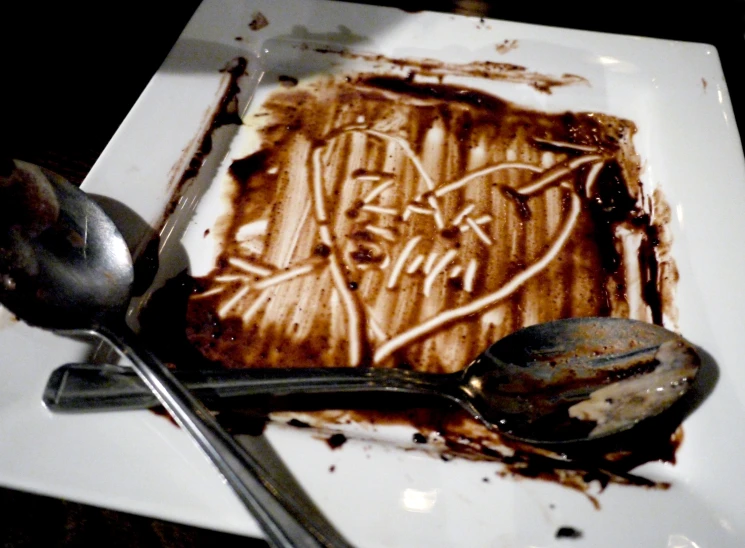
(72, 273)
(579, 379)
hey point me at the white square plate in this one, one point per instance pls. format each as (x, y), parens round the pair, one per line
(379, 495)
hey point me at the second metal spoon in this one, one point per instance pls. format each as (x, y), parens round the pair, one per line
(65, 267)
(558, 382)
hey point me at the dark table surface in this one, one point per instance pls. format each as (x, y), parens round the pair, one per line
(72, 71)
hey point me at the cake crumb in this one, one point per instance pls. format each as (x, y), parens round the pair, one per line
(258, 22)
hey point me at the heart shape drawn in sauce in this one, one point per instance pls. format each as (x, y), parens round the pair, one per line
(408, 260)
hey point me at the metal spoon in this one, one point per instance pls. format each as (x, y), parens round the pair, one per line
(557, 382)
(68, 269)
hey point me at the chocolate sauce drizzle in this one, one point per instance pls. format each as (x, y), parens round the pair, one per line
(401, 223)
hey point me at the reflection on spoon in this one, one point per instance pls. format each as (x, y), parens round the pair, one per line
(65, 267)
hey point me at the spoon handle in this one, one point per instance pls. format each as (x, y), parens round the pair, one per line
(286, 520)
(83, 387)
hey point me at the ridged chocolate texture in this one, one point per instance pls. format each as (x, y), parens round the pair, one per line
(389, 222)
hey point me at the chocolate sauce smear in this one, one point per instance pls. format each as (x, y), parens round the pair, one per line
(393, 222)
(336, 441)
(488, 70)
(568, 532)
(226, 113)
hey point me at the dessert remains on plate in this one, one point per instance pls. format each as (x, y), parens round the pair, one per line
(387, 222)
